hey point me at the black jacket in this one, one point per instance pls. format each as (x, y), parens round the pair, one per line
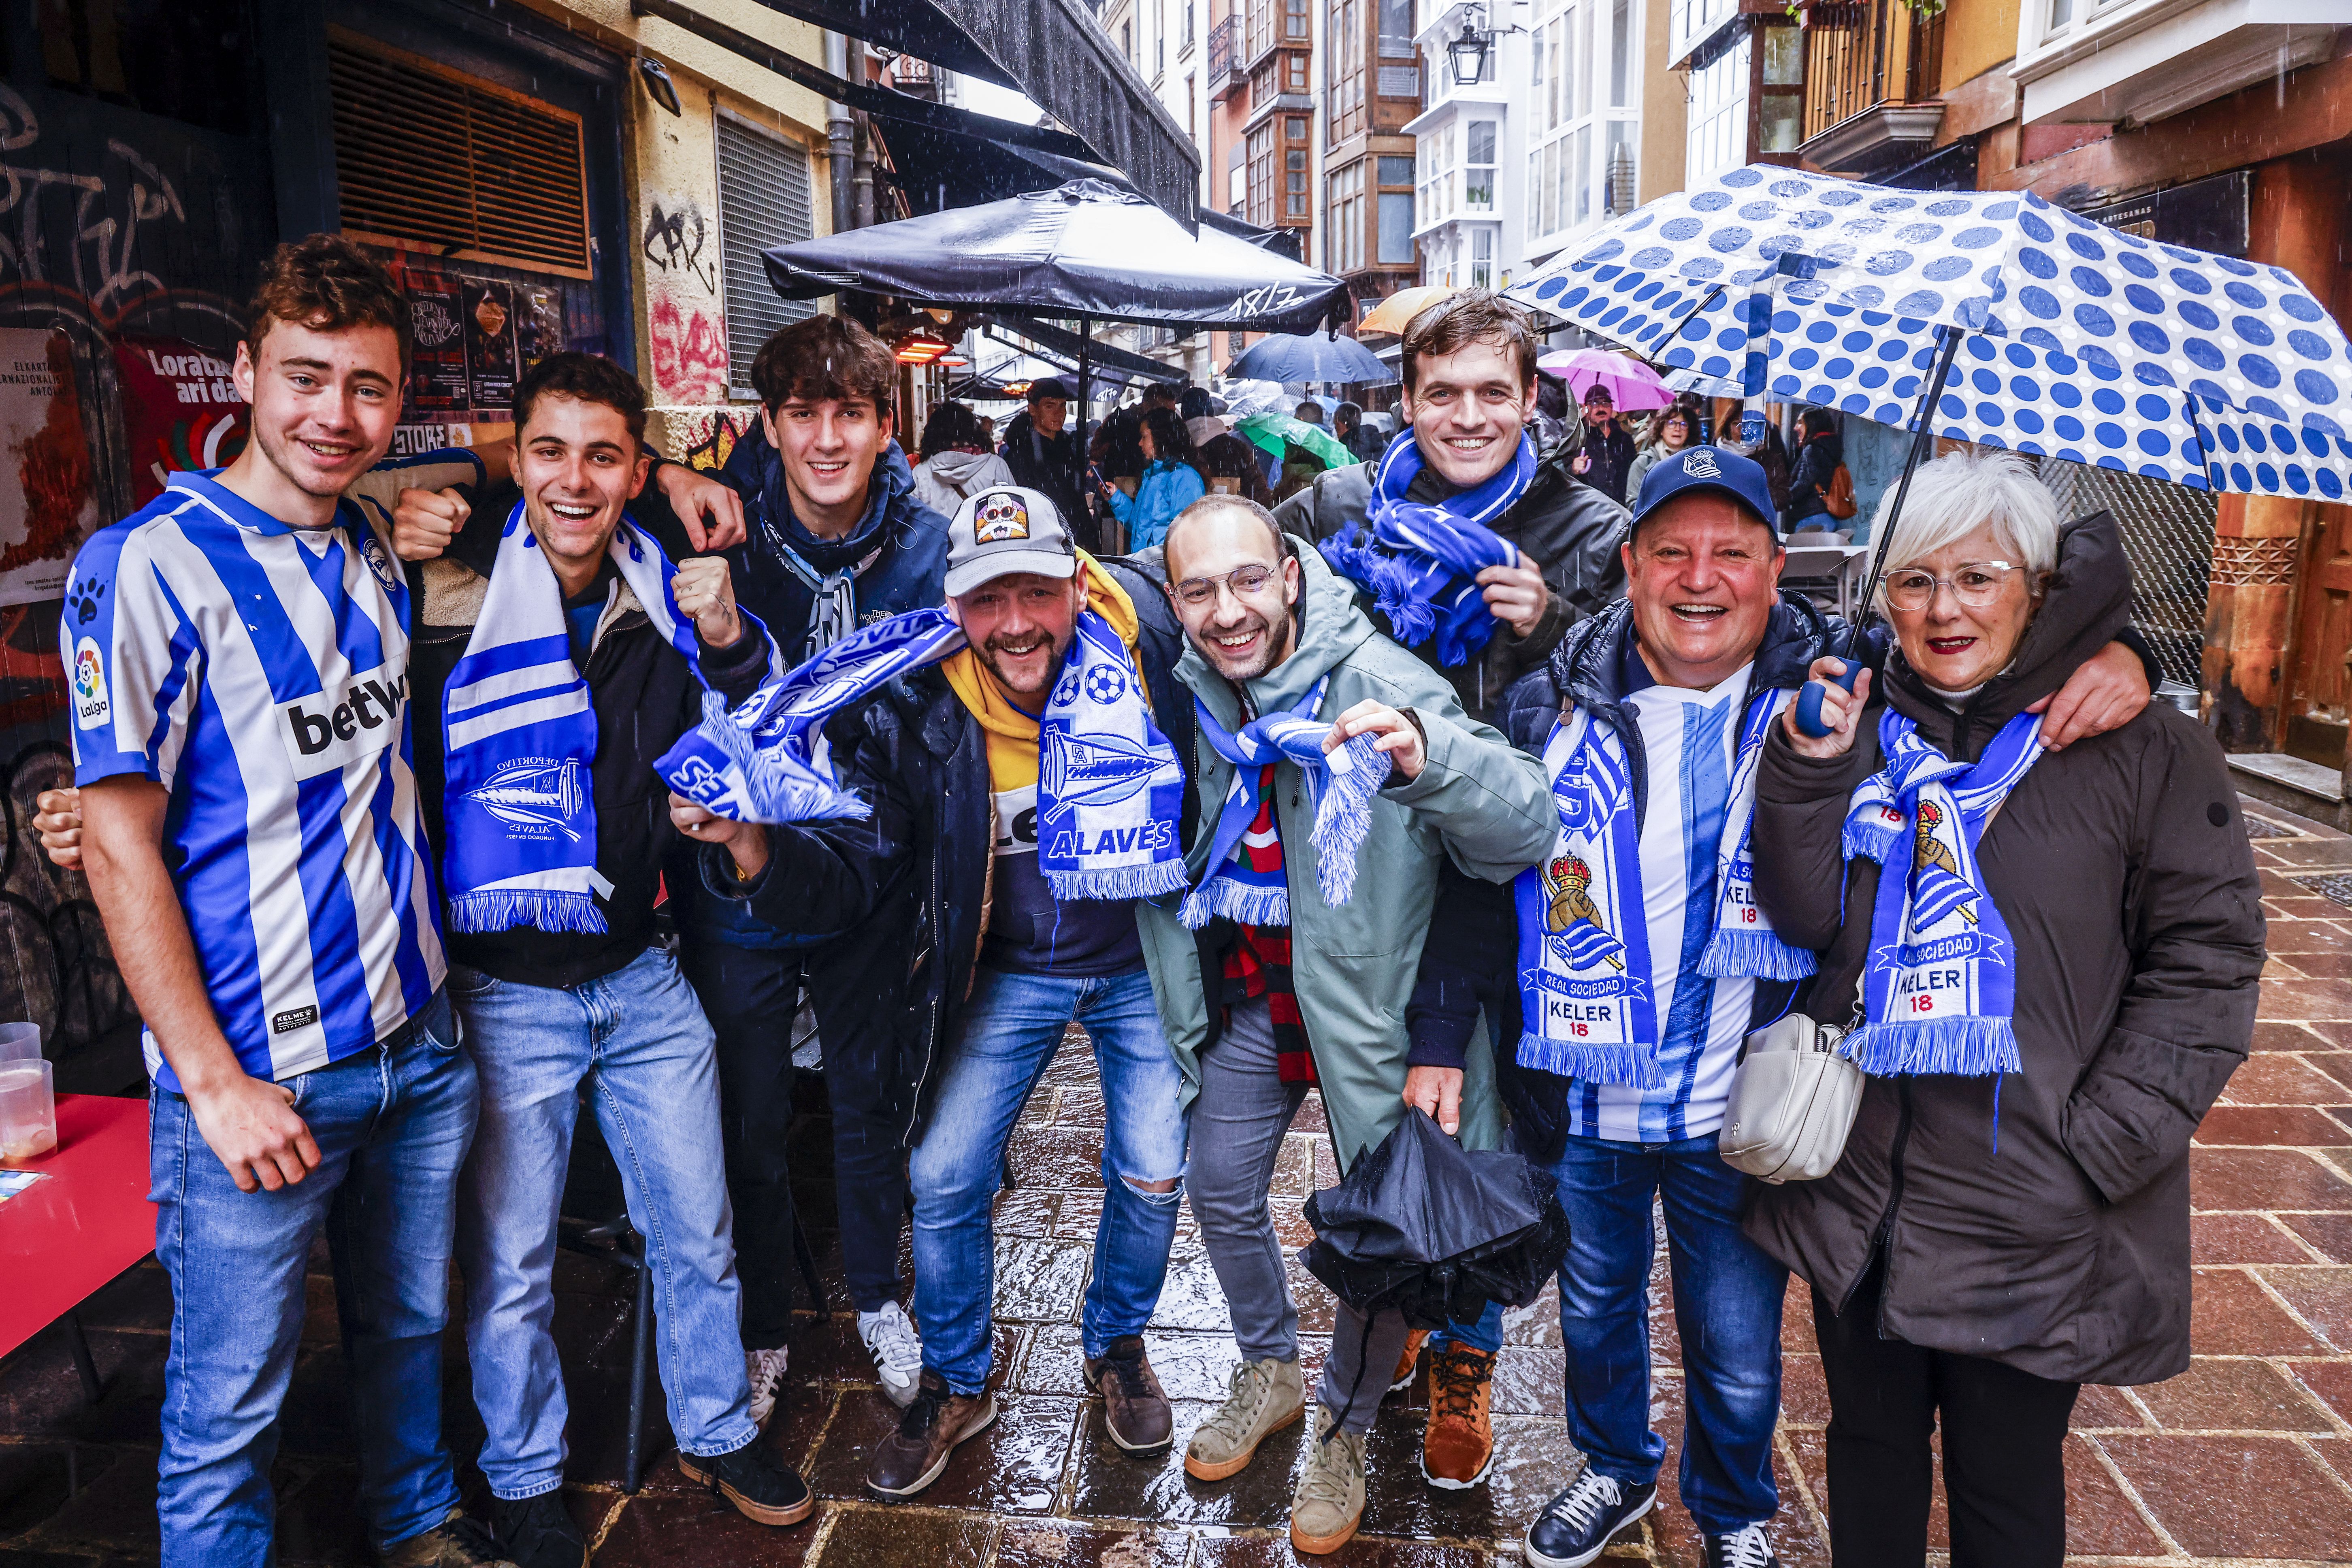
(2121, 867)
(1611, 452)
(645, 697)
(1050, 465)
(905, 894)
(1809, 485)
(1568, 529)
(1470, 962)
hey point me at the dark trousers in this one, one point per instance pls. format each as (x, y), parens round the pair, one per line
(2004, 1447)
(749, 995)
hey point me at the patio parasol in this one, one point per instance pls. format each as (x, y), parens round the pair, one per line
(1992, 317)
(1396, 312)
(1631, 385)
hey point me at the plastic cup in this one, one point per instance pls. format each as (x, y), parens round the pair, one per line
(20, 1042)
(28, 1111)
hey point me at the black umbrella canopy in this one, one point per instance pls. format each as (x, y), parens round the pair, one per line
(1087, 248)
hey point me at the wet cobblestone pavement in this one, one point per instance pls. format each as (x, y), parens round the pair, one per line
(2244, 1460)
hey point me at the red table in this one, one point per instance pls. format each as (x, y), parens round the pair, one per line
(64, 1236)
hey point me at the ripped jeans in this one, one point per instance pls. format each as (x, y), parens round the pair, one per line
(1010, 1029)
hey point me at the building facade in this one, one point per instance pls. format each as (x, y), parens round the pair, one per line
(1468, 154)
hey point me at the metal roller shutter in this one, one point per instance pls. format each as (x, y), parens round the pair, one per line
(763, 201)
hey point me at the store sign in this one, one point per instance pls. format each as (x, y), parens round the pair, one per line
(2203, 214)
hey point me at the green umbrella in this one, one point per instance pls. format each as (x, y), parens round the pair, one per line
(1270, 430)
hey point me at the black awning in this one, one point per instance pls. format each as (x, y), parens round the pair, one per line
(1053, 51)
(1280, 242)
(1106, 358)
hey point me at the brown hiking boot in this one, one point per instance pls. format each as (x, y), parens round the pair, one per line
(912, 1457)
(1413, 1340)
(1460, 1440)
(455, 1542)
(1135, 1407)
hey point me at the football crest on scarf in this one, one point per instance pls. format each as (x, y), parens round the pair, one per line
(532, 795)
(1574, 921)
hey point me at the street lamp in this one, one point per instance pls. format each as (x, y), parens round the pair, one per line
(1468, 53)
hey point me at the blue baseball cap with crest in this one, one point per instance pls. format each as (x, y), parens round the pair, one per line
(1706, 468)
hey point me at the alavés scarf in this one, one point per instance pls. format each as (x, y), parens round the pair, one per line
(519, 732)
(1421, 561)
(1585, 992)
(1941, 983)
(1341, 785)
(1109, 788)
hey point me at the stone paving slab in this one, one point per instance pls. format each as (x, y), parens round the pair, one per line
(2244, 1461)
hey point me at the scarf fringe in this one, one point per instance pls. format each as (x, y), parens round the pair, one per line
(1866, 840)
(1633, 1065)
(1392, 584)
(1343, 818)
(1245, 905)
(1965, 1047)
(1118, 881)
(504, 909)
(1754, 954)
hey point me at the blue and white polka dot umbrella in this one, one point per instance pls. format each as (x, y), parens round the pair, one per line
(2073, 340)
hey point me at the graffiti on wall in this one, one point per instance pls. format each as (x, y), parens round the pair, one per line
(675, 237)
(705, 438)
(689, 348)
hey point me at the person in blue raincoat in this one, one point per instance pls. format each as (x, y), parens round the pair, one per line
(1172, 480)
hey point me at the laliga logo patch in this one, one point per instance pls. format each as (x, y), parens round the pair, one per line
(1701, 465)
(92, 708)
(1002, 516)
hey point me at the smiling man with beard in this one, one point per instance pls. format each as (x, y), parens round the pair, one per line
(981, 772)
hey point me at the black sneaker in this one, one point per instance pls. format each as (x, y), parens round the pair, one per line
(538, 1531)
(1743, 1548)
(760, 1486)
(1575, 1527)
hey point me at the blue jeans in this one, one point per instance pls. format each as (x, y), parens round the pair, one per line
(1010, 1029)
(392, 1125)
(1727, 1296)
(638, 1039)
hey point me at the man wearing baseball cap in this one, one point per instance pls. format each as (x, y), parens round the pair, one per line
(1025, 782)
(1643, 962)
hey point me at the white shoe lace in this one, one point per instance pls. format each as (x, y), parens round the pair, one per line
(1582, 1503)
(765, 1369)
(897, 1350)
(1745, 1548)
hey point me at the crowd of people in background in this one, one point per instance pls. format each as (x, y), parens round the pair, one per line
(369, 799)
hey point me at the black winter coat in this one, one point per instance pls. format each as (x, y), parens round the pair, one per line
(2121, 867)
(907, 891)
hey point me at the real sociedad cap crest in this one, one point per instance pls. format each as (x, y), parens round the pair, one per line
(997, 532)
(1706, 468)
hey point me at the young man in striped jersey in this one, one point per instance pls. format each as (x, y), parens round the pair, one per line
(239, 656)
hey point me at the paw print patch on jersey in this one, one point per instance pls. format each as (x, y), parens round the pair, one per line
(999, 517)
(83, 597)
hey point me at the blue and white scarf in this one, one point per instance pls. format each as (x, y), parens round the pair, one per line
(1421, 563)
(1941, 984)
(766, 761)
(519, 732)
(1586, 998)
(1110, 789)
(1341, 785)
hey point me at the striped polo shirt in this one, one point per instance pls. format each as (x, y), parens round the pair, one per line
(259, 672)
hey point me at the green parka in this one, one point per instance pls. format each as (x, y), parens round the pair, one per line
(1477, 799)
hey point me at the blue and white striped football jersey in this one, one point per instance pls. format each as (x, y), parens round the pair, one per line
(259, 672)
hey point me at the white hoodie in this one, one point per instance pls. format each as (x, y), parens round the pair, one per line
(942, 483)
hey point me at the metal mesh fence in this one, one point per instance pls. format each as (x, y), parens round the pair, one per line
(2167, 532)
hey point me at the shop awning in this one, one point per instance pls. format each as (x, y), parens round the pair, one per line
(1108, 359)
(1053, 51)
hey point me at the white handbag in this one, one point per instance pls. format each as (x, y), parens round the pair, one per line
(1793, 1099)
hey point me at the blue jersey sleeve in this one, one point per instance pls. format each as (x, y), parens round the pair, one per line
(129, 655)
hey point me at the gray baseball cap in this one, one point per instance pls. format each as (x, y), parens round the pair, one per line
(999, 532)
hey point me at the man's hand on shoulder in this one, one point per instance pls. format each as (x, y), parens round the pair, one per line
(710, 511)
(2106, 693)
(705, 592)
(424, 522)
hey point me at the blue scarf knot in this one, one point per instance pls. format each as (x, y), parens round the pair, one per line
(1421, 563)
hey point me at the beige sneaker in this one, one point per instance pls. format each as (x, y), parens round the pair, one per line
(1266, 1396)
(1329, 1501)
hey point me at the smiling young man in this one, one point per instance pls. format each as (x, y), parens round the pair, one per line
(579, 657)
(1268, 985)
(972, 963)
(1641, 963)
(249, 822)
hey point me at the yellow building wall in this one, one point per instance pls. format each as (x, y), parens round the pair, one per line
(1665, 109)
(671, 181)
(1978, 36)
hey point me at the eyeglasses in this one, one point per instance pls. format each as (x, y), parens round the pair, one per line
(1244, 581)
(1977, 585)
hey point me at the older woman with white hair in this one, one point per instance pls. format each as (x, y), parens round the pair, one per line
(2048, 984)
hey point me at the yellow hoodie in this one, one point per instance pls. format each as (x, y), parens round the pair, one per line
(1011, 733)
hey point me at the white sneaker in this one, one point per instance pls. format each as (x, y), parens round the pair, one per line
(897, 1349)
(765, 1371)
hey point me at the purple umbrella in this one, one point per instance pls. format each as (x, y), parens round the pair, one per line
(1631, 385)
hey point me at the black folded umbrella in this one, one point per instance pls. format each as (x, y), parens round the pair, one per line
(1435, 1230)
